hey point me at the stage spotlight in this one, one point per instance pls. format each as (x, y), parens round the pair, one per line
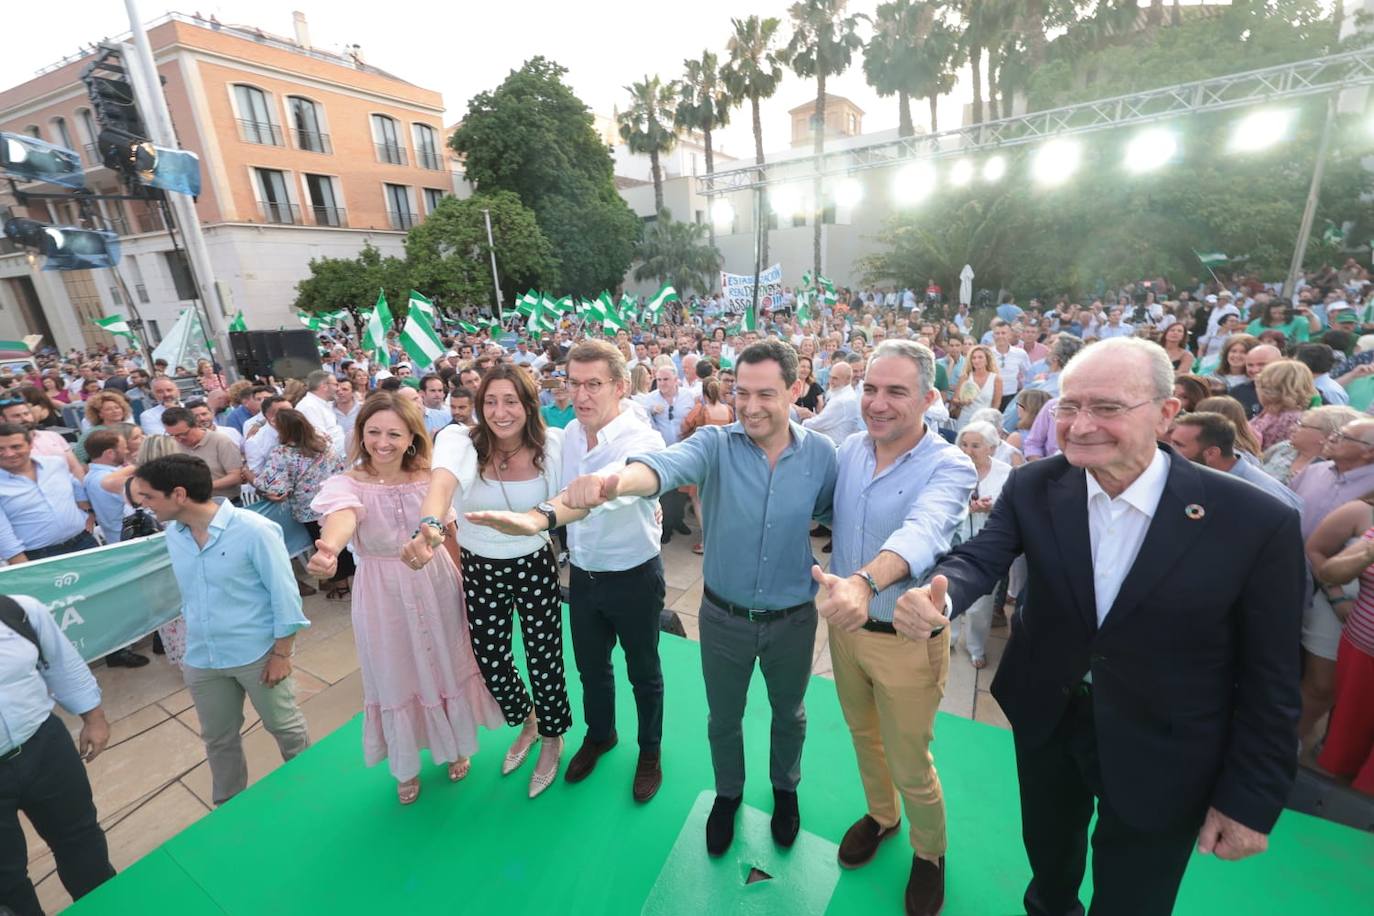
(786, 201)
(849, 192)
(961, 173)
(722, 212)
(994, 168)
(1150, 150)
(1056, 161)
(913, 182)
(1260, 130)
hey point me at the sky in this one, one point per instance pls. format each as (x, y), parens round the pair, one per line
(461, 49)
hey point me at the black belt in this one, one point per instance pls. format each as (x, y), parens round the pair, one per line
(756, 615)
(11, 754)
(612, 573)
(879, 626)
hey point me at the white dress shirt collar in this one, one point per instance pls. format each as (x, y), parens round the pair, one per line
(1144, 492)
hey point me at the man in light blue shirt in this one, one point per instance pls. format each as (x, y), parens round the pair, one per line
(41, 772)
(242, 608)
(108, 452)
(762, 480)
(899, 497)
(43, 508)
(437, 415)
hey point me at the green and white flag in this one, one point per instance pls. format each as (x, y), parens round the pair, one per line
(526, 303)
(238, 324)
(117, 325)
(827, 289)
(419, 303)
(1332, 234)
(468, 328)
(749, 321)
(665, 294)
(421, 342)
(605, 311)
(374, 335)
(543, 318)
(315, 322)
(804, 299)
(1212, 259)
(563, 306)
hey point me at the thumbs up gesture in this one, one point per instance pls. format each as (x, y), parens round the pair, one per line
(843, 602)
(920, 612)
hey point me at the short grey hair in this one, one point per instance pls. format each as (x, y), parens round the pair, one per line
(1065, 348)
(317, 378)
(988, 415)
(1159, 371)
(918, 353)
(984, 429)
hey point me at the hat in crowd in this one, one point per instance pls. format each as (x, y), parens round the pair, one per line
(1212, 297)
(1340, 312)
(383, 374)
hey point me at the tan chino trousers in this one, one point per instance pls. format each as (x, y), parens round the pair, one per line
(890, 688)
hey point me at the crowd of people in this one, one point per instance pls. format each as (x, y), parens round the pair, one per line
(1169, 494)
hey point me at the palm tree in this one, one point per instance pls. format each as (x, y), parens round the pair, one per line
(647, 127)
(894, 61)
(678, 254)
(754, 71)
(703, 104)
(824, 40)
(941, 58)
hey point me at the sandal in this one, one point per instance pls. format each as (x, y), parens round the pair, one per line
(408, 791)
(458, 770)
(980, 662)
(698, 549)
(338, 593)
(539, 781)
(520, 749)
(305, 590)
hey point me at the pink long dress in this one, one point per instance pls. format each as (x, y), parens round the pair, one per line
(421, 684)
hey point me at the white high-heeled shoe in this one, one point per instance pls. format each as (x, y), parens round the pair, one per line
(516, 755)
(540, 781)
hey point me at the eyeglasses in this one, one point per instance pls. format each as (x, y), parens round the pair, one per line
(1340, 435)
(593, 386)
(1104, 410)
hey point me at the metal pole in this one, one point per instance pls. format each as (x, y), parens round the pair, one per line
(1309, 211)
(758, 249)
(491, 246)
(153, 104)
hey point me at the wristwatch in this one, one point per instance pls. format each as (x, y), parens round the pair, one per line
(550, 514)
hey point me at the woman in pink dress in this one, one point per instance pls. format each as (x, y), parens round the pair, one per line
(421, 685)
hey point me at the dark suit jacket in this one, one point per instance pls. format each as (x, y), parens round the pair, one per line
(1195, 668)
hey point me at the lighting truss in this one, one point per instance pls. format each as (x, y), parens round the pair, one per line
(1239, 90)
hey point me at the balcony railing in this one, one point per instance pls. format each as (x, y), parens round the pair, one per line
(429, 159)
(393, 153)
(262, 132)
(312, 141)
(329, 216)
(282, 213)
(402, 219)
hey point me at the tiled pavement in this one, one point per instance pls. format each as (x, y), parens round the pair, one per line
(153, 780)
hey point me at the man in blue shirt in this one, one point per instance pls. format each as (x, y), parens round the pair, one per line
(901, 492)
(43, 508)
(40, 769)
(242, 610)
(762, 480)
(108, 452)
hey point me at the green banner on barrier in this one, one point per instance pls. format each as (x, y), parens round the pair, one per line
(104, 598)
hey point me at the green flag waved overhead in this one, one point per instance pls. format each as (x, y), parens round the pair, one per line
(422, 305)
(665, 294)
(374, 335)
(563, 306)
(117, 325)
(467, 328)
(543, 318)
(526, 303)
(749, 321)
(313, 322)
(238, 324)
(1211, 259)
(421, 342)
(804, 300)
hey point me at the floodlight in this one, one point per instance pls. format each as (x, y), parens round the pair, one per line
(961, 173)
(722, 212)
(1056, 161)
(913, 182)
(1151, 149)
(994, 168)
(849, 192)
(1260, 130)
(786, 201)
(35, 160)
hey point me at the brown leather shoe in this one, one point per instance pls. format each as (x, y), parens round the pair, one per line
(860, 843)
(648, 776)
(925, 889)
(584, 761)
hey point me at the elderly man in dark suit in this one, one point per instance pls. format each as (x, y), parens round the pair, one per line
(1153, 674)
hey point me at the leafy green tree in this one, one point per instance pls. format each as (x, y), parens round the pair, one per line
(704, 104)
(753, 73)
(352, 283)
(533, 137)
(824, 39)
(892, 57)
(450, 262)
(647, 125)
(677, 253)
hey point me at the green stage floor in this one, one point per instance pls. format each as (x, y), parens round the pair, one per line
(323, 835)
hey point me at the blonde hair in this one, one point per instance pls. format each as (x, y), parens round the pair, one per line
(1290, 381)
(156, 447)
(1233, 410)
(100, 399)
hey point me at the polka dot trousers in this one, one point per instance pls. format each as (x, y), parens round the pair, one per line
(496, 591)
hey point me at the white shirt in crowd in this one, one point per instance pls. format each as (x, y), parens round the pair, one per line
(1011, 366)
(666, 414)
(256, 447)
(840, 417)
(623, 533)
(322, 416)
(1117, 528)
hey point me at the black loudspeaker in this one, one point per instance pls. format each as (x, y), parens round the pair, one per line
(279, 354)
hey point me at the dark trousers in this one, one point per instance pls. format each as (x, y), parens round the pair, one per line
(47, 781)
(1135, 873)
(83, 541)
(606, 607)
(674, 505)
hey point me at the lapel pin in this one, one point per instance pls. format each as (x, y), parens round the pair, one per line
(1194, 511)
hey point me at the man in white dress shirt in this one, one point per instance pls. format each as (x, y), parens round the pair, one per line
(668, 406)
(168, 395)
(840, 417)
(318, 406)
